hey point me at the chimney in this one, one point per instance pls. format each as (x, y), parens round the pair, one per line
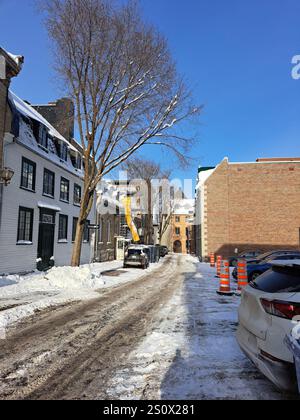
(61, 115)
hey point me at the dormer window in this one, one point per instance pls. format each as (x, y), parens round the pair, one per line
(63, 151)
(76, 160)
(43, 136)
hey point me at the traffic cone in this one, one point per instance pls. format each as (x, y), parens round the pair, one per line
(219, 265)
(225, 289)
(242, 275)
(212, 260)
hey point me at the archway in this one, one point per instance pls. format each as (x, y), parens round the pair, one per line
(178, 247)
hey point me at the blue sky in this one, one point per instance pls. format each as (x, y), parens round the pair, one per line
(236, 55)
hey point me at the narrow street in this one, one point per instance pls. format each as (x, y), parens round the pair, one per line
(165, 336)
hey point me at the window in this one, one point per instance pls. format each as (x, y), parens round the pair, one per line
(177, 231)
(63, 151)
(28, 175)
(75, 221)
(177, 219)
(25, 225)
(279, 280)
(49, 183)
(43, 136)
(64, 190)
(63, 228)
(100, 231)
(109, 231)
(77, 195)
(86, 233)
(76, 160)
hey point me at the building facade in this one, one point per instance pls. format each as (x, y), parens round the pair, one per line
(10, 67)
(243, 206)
(182, 226)
(41, 205)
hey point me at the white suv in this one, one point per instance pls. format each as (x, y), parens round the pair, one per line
(269, 311)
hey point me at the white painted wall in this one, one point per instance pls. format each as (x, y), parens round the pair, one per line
(201, 192)
(22, 258)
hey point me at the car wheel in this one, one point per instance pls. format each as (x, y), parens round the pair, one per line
(253, 276)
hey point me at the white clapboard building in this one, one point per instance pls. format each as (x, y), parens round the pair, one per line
(40, 206)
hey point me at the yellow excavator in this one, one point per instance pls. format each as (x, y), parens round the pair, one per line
(129, 219)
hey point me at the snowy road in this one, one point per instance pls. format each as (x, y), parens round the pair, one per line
(167, 335)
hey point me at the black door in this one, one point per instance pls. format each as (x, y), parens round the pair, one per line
(46, 237)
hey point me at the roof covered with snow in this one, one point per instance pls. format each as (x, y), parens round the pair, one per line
(185, 207)
(28, 111)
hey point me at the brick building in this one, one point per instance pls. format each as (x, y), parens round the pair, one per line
(182, 227)
(242, 206)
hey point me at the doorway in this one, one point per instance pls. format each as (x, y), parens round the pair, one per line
(177, 247)
(46, 237)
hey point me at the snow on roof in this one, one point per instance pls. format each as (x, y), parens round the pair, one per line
(27, 139)
(203, 177)
(18, 59)
(185, 206)
(28, 111)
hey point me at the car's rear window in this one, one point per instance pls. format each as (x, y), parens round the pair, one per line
(134, 252)
(279, 280)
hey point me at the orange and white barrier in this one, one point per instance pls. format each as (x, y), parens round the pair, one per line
(219, 265)
(212, 260)
(242, 274)
(225, 288)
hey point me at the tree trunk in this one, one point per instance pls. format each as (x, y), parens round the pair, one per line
(86, 205)
(76, 255)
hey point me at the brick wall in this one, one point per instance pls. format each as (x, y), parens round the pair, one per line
(255, 205)
(60, 114)
(182, 237)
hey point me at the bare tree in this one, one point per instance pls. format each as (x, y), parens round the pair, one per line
(127, 93)
(146, 171)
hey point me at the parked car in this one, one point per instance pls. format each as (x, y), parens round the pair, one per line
(247, 255)
(264, 262)
(164, 251)
(267, 314)
(137, 256)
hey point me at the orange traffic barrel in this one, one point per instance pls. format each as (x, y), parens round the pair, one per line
(242, 274)
(225, 288)
(219, 265)
(212, 260)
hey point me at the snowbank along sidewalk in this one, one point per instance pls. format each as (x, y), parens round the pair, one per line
(22, 296)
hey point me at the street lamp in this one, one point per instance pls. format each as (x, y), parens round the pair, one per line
(6, 175)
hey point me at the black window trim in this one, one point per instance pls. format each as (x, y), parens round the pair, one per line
(44, 130)
(63, 240)
(44, 193)
(62, 179)
(86, 232)
(33, 164)
(77, 186)
(74, 227)
(19, 240)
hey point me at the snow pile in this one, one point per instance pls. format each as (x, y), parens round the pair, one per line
(73, 278)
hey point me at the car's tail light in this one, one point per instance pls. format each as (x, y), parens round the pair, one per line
(281, 309)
